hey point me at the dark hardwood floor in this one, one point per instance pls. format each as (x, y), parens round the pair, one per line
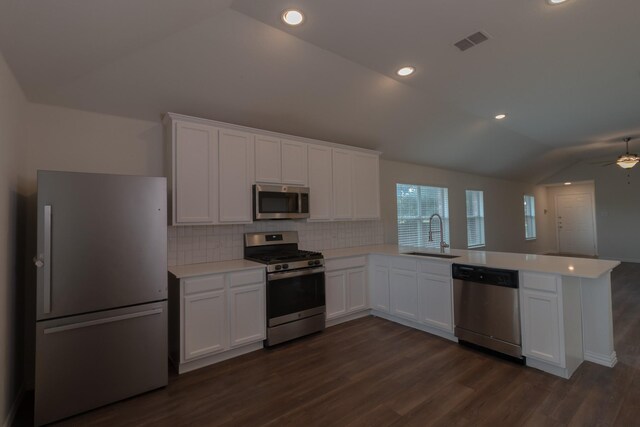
(371, 372)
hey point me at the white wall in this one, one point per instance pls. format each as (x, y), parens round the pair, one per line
(562, 190)
(12, 141)
(503, 204)
(82, 141)
(617, 207)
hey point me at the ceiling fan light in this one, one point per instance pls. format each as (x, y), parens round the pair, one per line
(627, 161)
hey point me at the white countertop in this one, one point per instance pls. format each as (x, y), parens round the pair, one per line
(202, 269)
(566, 266)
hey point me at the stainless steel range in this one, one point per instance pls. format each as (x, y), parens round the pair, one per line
(295, 285)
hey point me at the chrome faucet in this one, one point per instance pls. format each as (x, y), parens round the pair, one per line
(443, 244)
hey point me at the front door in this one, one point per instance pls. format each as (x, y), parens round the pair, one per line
(575, 224)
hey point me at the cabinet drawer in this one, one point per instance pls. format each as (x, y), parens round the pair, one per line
(246, 277)
(194, 285)
(540, 282)
(404, 263)
(343, 263)
(437, 268)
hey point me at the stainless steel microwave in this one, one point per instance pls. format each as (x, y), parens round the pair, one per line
(280, 202)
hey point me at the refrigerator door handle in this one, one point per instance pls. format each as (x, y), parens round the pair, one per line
(46, 283)
(112, 319)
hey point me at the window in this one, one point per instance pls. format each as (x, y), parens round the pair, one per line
(416, 204)
(475, 219)
(529, 217)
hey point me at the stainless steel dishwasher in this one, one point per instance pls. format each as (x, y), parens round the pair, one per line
(487, 309)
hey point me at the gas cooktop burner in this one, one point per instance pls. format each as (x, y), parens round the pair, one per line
(279, 251)
(289, 256)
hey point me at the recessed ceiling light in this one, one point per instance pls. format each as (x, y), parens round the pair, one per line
(554, 2)
(501, 116)
(567, 183)
(405, 71)
(292, 17)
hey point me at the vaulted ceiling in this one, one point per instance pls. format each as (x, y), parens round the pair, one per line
(567, 76)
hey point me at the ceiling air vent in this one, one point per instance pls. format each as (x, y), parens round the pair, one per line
(471, 41)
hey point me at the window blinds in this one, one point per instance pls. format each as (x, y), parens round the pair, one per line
(475, 219)
(529, 217)
(416, 203)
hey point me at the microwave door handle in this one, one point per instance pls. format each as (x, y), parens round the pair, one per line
(299, 203)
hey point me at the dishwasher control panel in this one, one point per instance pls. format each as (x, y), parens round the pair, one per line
(485, 275)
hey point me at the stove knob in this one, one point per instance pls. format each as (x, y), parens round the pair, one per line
(285, 266)
(317, 262)
(311, 263)
(278, 267)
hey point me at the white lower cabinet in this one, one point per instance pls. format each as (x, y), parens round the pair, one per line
(205, 324)
(247, 314)
(404, 293)
(551, 321)
(435, 301)
(214, 317)
(336, 293)
(346, 287)
(380, 288)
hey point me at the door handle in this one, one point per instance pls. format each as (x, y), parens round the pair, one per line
(112, 319)
(46, 261)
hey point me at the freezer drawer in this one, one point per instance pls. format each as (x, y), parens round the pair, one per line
(87, 361)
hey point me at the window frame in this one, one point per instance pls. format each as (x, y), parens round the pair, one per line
(532, 215)
(422, 239)
(482, 217)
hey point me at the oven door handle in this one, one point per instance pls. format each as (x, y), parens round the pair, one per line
(297, 273)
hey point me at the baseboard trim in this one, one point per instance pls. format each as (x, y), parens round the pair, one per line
(219, 357)
(548, 368)
(347, 318)
(601, 359)
(8, 422)
(424, 328)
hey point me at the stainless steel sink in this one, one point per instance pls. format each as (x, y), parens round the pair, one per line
(447, 256)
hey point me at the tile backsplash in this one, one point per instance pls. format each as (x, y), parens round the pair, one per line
(210, 243)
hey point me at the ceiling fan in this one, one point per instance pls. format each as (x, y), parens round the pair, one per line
(625, 161)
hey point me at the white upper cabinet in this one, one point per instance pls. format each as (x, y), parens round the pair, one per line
(366, 186)
(320, 183)
(280, 161)
(195, 186)
(294, 162)
(268, 160)
(236, 176)
(212, 167)
(342, 184)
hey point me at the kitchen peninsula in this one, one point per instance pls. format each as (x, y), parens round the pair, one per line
(565, 303)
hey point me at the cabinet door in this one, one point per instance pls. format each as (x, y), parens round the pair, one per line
(357, 289)
(336, 293)
(205, 324)
(380, 290)
(366, 186)
(342, 184)
(294, 162)
(320, 182)
(404, 294)
(247, 318)
(236, 168)
(541, 326)
(268, 163)
(195, 186)
(435, 299)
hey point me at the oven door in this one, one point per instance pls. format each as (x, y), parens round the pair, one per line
(280, 202)
(294, 295)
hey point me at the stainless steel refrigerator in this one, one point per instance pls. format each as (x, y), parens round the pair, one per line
(101, 329)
